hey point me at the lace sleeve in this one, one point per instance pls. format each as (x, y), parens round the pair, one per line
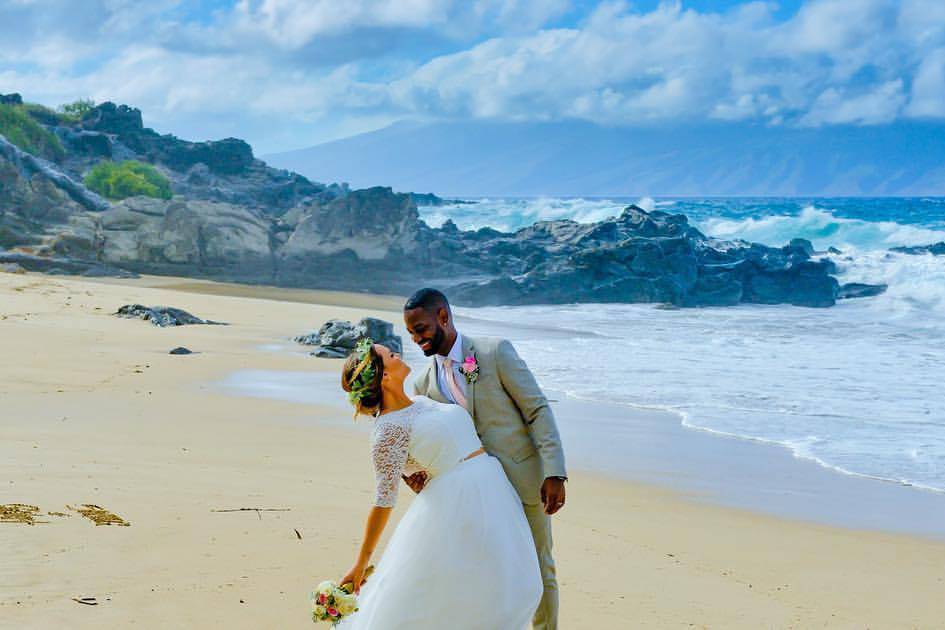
(391, 443)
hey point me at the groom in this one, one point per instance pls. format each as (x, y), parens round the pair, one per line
(512, 417)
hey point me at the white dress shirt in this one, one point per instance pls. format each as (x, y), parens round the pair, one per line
(456, 354)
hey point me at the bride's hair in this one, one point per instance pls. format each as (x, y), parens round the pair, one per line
(363, 385)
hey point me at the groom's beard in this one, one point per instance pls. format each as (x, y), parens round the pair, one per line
(435, 343)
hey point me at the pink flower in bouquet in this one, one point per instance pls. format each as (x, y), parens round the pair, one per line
(322, 598)
(333, 612)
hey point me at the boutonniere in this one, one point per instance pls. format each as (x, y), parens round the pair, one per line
(470, 369)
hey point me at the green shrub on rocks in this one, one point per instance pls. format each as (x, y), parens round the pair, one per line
(22, 129)
(76, 110)
(128, 179)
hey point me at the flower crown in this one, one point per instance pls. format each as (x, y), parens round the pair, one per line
(363, 375)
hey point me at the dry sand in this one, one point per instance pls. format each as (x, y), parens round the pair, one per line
(94, 411)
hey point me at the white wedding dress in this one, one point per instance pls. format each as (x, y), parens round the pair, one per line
(463, 556)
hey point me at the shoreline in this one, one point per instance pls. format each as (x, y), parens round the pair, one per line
(743, 473)
(798, 455)
(700, 466)
(810, 491)
(103, 415)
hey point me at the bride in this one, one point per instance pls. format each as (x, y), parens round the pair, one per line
(463, 555)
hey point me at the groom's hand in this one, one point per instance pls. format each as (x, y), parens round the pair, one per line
(552, 494)
(416, 481)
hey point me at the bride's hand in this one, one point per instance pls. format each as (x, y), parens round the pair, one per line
(354, 576)
(416, 481)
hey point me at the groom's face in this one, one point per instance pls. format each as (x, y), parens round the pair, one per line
(426, 330)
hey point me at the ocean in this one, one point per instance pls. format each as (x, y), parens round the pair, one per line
(857, 388)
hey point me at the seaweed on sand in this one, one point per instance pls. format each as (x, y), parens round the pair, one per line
(19, 513)
(99, 515)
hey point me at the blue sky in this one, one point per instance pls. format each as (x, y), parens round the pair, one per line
(290, 73)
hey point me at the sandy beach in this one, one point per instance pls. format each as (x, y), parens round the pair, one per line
(95, 411)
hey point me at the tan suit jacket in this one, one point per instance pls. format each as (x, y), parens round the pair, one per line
(511, 414)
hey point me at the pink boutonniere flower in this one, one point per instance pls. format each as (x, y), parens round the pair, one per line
(470, 369)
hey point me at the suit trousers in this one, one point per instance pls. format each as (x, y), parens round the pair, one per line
(546, 617)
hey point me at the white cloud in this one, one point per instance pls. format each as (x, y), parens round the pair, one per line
(321, 62)
(291, 24)
(835, 61)
(881, 105)
(928, 87)
(58, 34)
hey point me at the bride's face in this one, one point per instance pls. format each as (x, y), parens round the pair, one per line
(394, 367)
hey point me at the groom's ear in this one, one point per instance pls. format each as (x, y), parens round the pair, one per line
(443, 315)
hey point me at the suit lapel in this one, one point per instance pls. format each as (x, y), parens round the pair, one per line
(469, 349)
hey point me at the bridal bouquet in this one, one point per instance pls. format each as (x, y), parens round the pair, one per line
(331, 602)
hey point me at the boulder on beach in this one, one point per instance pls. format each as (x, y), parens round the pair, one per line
(181, 350)
(337, 338)
(162, 316)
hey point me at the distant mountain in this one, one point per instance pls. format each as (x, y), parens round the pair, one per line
(582, 159)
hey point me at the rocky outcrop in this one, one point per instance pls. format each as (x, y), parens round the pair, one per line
(173, 237)
(337, 338)
(223, 170)
(29, 166)
(162, 316)
(641, 257)
(370, 223)
(367, 240)
(936, 249)
(63, 266)
(233, 218)
(429, 199)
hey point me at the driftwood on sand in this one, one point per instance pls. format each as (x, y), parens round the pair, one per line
(258, 511)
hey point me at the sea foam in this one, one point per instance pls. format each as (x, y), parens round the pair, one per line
(856, 387)
(822, 228)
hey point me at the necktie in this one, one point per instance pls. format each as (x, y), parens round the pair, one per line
(450, 375)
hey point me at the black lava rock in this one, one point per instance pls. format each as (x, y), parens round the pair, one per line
(936, 249)
(337, 338)
(162, 316)
(860, 290)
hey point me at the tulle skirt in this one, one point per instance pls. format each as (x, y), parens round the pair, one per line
(462, 558)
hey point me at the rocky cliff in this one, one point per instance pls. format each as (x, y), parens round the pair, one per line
(234, 218)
